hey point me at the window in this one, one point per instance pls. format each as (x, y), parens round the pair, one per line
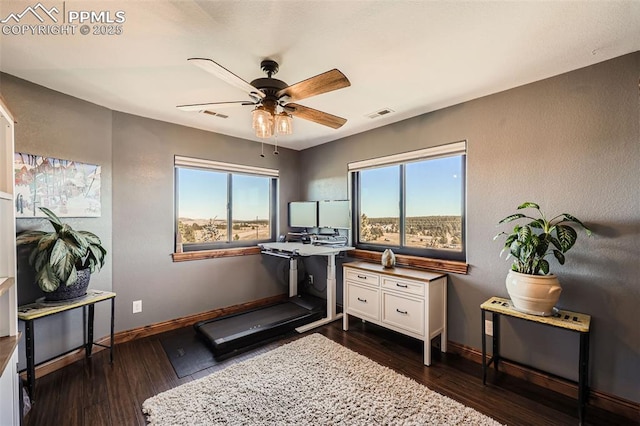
(412, 203)
(221, 205)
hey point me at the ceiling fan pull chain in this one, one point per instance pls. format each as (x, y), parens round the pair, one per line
(275, 138)
(262, 149)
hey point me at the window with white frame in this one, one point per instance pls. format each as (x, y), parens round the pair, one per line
(223, 205)
(412, 203)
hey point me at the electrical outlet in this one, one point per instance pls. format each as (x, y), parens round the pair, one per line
(488, 327)
(310, 279)
(137, 306)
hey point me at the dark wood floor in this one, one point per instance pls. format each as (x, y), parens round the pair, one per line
(94, 392)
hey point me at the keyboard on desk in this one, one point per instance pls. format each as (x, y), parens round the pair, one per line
(330, 241)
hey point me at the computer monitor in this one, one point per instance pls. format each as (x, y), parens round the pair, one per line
(303, 214)
(334, 214)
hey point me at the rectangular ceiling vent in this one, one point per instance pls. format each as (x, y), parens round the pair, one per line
(216, 114)
(380, 113)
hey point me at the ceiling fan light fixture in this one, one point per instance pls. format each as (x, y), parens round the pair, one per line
(262, 122)
(268, 95)
(260, 117)
(264, 132)
(284, 123)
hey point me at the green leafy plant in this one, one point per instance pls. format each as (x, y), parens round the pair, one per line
(58, 255)
(529, 244)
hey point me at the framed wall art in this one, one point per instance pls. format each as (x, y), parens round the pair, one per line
(66, 187)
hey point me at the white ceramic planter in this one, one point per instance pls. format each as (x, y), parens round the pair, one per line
(533, 294)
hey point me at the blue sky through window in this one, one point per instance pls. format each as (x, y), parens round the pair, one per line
(203, 195)
(433, 188)
(380, 192)
(250, 197)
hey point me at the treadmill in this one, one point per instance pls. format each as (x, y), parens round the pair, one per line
(231, 333)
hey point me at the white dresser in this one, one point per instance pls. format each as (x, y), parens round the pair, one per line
(409, 301)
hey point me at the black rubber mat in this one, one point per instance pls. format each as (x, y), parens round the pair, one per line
(187, 353)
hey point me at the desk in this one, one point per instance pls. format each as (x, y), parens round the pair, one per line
(294, 250)
(30, 313)
(567, 320)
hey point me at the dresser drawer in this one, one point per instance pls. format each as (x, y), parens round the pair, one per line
(363, 301)
(362, 277)
(408, 287)
(404, 313)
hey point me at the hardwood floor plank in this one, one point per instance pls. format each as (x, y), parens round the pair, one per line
(97, 415)
(131, 355)
(71, 386)
(124, 407)
(95, 380)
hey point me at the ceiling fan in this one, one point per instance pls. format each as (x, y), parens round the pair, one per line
(268, 95)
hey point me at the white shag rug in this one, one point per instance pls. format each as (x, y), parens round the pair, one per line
(311, 381)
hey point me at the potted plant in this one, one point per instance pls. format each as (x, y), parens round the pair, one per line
(63, 259)
(531, 287)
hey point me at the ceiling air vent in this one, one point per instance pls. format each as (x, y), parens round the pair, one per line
(215, 114)
(380, 113)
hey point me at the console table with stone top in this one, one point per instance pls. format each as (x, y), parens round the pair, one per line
(567, 320)
(41, 309)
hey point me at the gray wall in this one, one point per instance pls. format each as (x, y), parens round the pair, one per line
(143, 225)
(570, 143)
(56, 125)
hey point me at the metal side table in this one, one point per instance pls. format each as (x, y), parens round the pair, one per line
(567, 320)
(30, 313)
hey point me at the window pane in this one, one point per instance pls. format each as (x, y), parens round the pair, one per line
(250, 208)
(434, 204)
(202, 206)
(380, 206)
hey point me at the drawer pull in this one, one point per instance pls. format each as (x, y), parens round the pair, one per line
(402, 285)
(401, 312)
(362, 277)
(362, 300)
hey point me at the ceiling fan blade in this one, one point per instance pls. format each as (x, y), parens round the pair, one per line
(322, 83)
(217, 105)
(226, 75)
(314, 115)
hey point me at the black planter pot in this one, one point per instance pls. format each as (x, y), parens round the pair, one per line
(79, 289)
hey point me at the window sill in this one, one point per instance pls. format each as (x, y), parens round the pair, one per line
(214, 254)
(439, 265)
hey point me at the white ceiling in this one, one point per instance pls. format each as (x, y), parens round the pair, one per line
(410, 56)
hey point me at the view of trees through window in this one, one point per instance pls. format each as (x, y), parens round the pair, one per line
(429, 200)
(203, 200)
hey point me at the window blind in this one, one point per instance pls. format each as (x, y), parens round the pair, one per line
(447, 150)
(200, 163)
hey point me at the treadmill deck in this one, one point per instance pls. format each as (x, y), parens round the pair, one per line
(233, 332)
